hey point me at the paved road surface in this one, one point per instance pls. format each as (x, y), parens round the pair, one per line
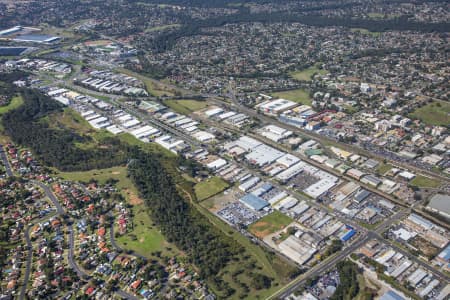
(28, 263)
(5, 160)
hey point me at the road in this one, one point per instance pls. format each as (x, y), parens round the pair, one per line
(71, 257)
(5, 160)
(117, 247)
(26, 277)
(323, 266)
(317, 270)
(310, 134)
(125, 295)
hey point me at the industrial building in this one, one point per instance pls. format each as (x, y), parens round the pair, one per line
(276, 106)
(263, 155)
(297, 249)
(320, 187)
(440, 204)
(254, 202)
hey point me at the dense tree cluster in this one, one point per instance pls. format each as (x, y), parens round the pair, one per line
(7, 88)
(349, 286)
(167, 40)
(57, 147)
(180, 224)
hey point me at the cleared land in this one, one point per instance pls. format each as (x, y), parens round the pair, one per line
(272, 265)
(145, 238)
(269, 224)
(15, 103)
(299, 96)
(209, 188)
(185, 107)
(307, 74)
(153, 87)
(425, 182)
(434, 113)
(383, 168)
(163, 27)
(365, 31)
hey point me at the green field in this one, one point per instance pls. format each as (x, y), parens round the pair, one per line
(434, 113)
(272, 265)
(269, 224)
(161, 28)
(383, 168)
(185, 107)
(425, 182)
(365, 31)
(145, 238)
(210, 187)
(307, 74)
(152, 86)
(15, 103)
(299, 96)
(375, 15)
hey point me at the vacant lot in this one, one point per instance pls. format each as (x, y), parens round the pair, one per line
(424, 246)
(307, 74)
(269, 224)
(185, 107)
(434, 113)
(299, 96)
(425, 182)
(209, 188)
(154, 87)
(383, 168)
(367, 32)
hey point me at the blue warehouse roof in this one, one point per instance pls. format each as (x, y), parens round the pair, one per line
(254, 202)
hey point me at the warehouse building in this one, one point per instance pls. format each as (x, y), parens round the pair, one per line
(297, 250)
(249, 183)
(263, 155)
(440, 204)
(254, 202)
(319, 188)
(276, 106)
(371, 180)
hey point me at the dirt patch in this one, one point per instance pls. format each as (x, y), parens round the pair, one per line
(115, 173)
(133, 198)
(261, 229)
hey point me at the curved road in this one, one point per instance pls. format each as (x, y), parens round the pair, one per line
(81, 273)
